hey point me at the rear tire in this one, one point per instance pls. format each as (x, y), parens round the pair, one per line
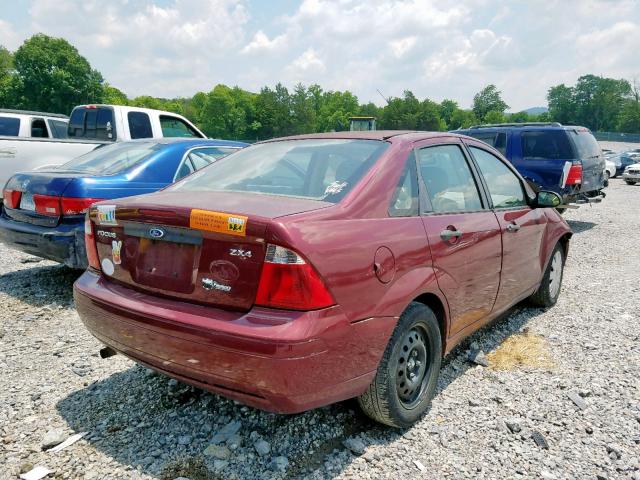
(549, 289)
(406, 379)
(630, 182)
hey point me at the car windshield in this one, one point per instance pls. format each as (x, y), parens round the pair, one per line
(325, 169)
(112, 159)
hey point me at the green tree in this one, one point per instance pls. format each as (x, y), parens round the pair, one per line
(52, 76)
(494, 116)
(447, 109)
(303, 110)
(562, 105)
(462, 119)
(599, 101)
(488, 100)
(629, 119)
(6, 74)
(113, 96)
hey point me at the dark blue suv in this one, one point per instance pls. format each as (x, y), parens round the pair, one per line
(550, 156)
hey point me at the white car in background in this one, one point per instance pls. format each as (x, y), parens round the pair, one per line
(32, 140)
(631, 174)
(609, 170)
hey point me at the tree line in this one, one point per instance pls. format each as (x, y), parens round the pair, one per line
(48, 74)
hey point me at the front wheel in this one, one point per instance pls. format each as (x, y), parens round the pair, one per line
(630, 182)
(549, 289)
(406, 379)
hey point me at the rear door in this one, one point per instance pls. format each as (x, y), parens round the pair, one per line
(521, 226)
(590, 155)
(463, 233)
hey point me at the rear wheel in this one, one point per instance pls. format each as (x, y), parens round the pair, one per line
(630, 182)
(408, 373)
(549, 289)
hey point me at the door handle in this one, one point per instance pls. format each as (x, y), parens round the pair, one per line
(447, 234)
(513, 227)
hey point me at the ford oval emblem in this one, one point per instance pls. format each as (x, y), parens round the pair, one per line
(156, 232)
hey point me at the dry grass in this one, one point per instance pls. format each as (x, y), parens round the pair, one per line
(521, 350)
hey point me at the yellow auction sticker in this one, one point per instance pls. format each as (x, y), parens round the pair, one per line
(218, 222)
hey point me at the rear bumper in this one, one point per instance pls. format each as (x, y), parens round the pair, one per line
(64, 244)
(281, 361)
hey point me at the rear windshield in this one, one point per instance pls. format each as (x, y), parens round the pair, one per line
(9, 126)
(497, 140)
(548, 144)
(112, 159)
(586, 145)
(94, 123)
(316, 169)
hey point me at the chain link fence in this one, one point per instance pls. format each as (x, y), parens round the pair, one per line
(617, 137)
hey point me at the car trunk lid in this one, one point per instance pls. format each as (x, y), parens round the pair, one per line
(206, 248)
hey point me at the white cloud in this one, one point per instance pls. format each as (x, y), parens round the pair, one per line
(436, 48)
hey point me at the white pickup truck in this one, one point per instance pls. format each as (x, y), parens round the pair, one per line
(32, 140)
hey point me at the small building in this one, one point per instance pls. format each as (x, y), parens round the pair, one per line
(362, 124)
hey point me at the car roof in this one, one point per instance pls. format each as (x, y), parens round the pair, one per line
(521, 126)
(214, 142)
(392, 135)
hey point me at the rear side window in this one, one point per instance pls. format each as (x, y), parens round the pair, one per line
(550, 144)
(202, 157)
(94, 123)
(325, 169)
(139, 125)
(176, 127)
(497, 140)
(404, 202)
(9, 126)
(58, 128)
(448, 179)
(504, 187)
(586, 145)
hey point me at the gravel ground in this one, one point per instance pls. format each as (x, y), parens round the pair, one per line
(577, 386)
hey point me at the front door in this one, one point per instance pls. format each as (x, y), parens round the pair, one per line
(522, 228)
(463, 234)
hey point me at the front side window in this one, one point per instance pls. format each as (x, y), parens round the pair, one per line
(139, 125)
(504, 187)
(325, 169)
(548, 145)
(448, 179)
(58, 128)
(176, 127)
(113, 158)
(404, 202)
(9, 126)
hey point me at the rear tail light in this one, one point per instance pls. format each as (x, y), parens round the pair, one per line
(288, 282)
(90, 244)
(47, 205)
(575, 174)
(11, 198)
(77, 206)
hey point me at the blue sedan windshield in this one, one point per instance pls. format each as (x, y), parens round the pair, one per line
(112, 159)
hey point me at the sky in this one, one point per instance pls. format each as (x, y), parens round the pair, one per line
(436, 48)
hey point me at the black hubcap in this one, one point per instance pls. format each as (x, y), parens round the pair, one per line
(412, 367)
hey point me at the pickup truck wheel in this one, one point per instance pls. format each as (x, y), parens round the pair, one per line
(406, 379)
(630, 182)
(549, 289)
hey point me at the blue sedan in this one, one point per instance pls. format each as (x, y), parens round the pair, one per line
(43, 211)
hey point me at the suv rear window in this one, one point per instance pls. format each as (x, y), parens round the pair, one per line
(325, 169)
(497, 140)
(586, 145)
(549, 144)
(9, 126)
(94, 123)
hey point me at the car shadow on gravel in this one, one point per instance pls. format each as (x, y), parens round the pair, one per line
(149, 423)
(41, 285)
(578, 226)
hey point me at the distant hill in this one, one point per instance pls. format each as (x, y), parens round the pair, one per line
(536, 110)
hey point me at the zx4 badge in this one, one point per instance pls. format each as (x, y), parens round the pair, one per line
(238, 252)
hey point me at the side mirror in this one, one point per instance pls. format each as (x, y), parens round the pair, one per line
(548, 199)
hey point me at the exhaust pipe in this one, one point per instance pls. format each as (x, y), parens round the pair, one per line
(107, 352)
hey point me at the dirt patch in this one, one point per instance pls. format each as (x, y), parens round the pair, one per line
(522, 350)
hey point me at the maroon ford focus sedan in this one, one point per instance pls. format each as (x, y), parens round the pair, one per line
(307, 270)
